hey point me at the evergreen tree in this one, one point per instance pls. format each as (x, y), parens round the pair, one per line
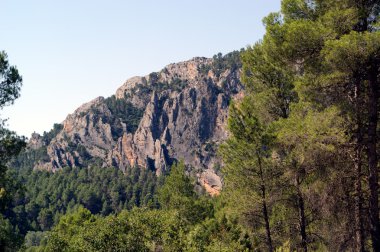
(178, 194)
(318, 64)
(334, 48)
(10, 146)
(249, 174)
(307, 141)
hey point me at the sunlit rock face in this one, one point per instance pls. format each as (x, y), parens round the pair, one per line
(179, 113)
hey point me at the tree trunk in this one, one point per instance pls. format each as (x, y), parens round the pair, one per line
(264, 206)
(359, 229)
(266, 218)
(372, 157)
(301, 216)
(358, 162)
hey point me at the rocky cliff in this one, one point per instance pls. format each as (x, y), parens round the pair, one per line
(179, 113)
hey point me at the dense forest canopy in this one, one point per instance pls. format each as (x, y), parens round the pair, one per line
(300, 166)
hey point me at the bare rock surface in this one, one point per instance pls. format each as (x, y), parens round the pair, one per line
(185, 109)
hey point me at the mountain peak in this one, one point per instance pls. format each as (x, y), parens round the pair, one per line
(178, 113)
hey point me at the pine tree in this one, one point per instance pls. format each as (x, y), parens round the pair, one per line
(333, 47)
(10, 146)
(248, 171)
(307, 141)
(322, 55)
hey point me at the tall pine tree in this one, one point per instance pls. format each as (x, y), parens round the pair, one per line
(314, 77)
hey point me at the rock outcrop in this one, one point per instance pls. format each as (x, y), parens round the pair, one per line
(183, 116)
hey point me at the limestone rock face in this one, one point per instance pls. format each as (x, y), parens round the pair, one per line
(211, 182)
(86, 133)
(185, 108)
(35, 142)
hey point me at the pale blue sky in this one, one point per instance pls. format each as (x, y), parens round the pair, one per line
(72, 51)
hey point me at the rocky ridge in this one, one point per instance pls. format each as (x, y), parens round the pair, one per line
(179, 113)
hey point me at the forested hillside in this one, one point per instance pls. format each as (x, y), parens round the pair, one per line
(297, 154)
(112, 154)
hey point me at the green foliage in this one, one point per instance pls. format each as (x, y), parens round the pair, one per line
(300, 135)
(172, 228)
(82, 231)
(218, 234)
(178, 194)
(335, 51)
(155, 85)
(231, 61)
(355, 48)
(10, 81)
(249, 173)
(126, 112)
(29, 157)
(308, 142)
(8, 236)
(162, 229)
(177, 187)
(204, 68)
(270, 82)
(310, 111)
(34, 239)
(10, 146)
(138, 230)
(103, 191)
(48, 136)
(177, 84)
